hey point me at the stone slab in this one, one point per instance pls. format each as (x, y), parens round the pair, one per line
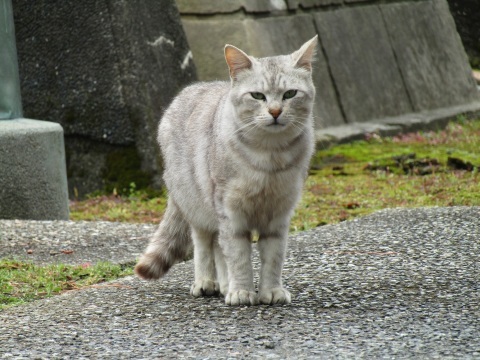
(352, 132)
(210, 7)
(363, 65)
(33, 182)
(428, 120)
(295, 31)
(208, 37)
(429, 53)
(308, 4)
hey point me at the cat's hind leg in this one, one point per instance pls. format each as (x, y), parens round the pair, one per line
(204, 259)
(170, 244)
(272, 249)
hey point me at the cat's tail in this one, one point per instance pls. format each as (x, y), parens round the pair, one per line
(170, 244)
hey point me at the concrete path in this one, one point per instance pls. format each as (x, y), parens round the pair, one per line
(395, 284)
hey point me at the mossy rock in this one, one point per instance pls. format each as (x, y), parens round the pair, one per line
(123, 168)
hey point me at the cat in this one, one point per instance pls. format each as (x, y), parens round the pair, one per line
(236, 155)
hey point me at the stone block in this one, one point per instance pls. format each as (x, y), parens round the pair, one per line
(362, 63)
(430, 55)
(465, 14)
(207, 39)
(311, 4)
(283, 35)
(377, 59)
(105, 70)
(280, 35)
(352, 132)
(209, 7)
(359, 1)
(33, 182)
(427, 120)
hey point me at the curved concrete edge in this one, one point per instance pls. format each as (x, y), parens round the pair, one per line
(390, 126)
(21, 126)
(33, 181)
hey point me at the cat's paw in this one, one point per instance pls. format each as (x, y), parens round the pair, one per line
(241, 297)
(274, 296)
(204, 288)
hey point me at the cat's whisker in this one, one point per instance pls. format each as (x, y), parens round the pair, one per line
(241, 128)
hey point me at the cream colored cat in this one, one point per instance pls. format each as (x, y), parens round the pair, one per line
(236, 156)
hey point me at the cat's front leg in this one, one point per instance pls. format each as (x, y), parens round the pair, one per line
(203, 257)
(272, 247)
(221, 267)
(237, 250)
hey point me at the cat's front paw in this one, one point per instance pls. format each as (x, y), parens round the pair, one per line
(241, 297)
(275, 296)
(204, 288)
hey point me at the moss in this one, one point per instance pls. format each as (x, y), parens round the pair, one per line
(352, 180)
(123, 171)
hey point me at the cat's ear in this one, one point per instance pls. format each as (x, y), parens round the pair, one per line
(304, 56)
(237, 60)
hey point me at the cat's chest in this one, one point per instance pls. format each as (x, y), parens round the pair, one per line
(260, 196)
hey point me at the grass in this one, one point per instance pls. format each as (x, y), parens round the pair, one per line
(22, 281)
(136, 207)
(345, 182)
(350, 180)
(410, 170)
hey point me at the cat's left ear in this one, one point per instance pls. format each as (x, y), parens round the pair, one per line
(237, 60)
(304, 56)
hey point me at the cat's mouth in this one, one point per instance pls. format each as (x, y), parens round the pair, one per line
(275, 123)
(275, 127)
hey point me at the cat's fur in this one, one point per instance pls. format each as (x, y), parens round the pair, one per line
(235, 164)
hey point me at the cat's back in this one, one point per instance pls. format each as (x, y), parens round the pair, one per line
(196, 105)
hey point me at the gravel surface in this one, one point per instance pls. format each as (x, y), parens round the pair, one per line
(395, 284)
(72, 242)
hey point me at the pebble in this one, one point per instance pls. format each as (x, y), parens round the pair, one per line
(425, 304)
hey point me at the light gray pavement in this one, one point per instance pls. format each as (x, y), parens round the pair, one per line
(395, 284)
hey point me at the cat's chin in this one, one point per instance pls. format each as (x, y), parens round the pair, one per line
(275, 128)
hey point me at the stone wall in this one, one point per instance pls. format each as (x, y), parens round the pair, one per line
(377, 59)
(467, 18)
(105, 70)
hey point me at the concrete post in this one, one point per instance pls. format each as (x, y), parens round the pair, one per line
(10, 101)
(33, 181)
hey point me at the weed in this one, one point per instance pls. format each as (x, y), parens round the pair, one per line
(351, 180)
(22, 281)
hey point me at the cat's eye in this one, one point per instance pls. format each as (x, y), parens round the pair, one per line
(258, 96)
(289, 94)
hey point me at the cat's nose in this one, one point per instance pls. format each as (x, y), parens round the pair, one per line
(275, 113)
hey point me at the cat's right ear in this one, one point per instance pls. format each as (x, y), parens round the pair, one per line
(237, 60)
(304, 56)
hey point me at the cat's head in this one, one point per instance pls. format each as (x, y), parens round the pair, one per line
(272, 94)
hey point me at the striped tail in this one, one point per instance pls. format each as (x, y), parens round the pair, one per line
(170, 244)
